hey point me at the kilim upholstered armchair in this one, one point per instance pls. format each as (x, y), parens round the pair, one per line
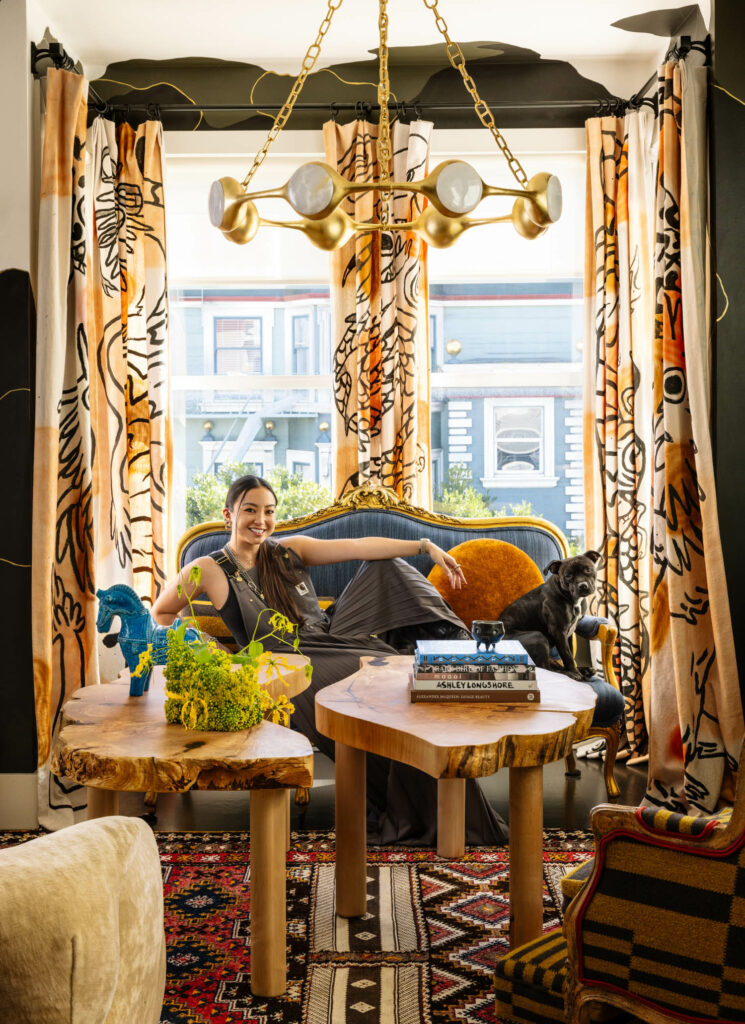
(656, 931)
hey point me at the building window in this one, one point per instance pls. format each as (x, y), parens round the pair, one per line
(301, 463)
(518, 439)
(301, 344)
(237, 345)
(519, 442)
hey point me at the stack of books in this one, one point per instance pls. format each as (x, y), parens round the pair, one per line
(458, 671)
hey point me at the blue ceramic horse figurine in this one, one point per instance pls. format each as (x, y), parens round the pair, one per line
(137, 631)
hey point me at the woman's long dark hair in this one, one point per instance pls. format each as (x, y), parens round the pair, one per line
(277, 576)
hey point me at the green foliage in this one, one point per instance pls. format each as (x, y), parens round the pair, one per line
(209, 688)
(458, 497)
(204, 692)
(519, 508)
(295, 496)
(205, 496)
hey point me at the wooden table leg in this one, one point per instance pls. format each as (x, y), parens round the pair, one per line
(287, 825)
(102, 802)
(268, 899)
(451, 818)
(526, 854)
(351, 832)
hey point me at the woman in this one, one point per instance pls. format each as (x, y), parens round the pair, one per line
(386, 604)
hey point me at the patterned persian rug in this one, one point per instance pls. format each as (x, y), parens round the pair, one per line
(423, 953)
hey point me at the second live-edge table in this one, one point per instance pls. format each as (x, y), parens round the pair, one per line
(371, 712)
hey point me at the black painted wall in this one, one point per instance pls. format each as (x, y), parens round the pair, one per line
(504, 74)
(17, 375)
(728, 174)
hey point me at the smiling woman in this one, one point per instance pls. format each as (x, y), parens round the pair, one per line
(387, 604)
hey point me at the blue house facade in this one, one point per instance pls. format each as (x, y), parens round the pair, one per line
(252, 383)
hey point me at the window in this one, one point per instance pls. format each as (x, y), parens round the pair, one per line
(514, 306)
(518, 439)
(232, 355)
(301, 463)
(519, 442)
(237, 345)
(301, 344)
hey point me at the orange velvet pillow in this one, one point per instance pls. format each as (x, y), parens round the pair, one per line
(496, 573)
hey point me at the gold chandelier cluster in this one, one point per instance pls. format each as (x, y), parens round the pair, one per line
(453, 188)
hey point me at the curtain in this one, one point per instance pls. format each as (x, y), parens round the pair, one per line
(381, 322)
(101, 446)
(651, 501)
(619, 305)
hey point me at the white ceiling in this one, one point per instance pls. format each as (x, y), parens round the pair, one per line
(276, 35)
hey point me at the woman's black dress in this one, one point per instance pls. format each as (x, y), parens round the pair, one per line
(383, 609)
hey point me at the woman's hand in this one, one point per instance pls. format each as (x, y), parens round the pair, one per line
(456, 576)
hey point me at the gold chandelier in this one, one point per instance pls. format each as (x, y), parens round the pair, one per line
(453, 189)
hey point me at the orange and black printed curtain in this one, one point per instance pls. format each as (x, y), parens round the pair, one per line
(649, 482)
(102, 440)
(380, 321)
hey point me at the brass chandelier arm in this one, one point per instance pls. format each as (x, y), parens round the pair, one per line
(426, 187)
(338, 228)
(483, 112)
(309, 62)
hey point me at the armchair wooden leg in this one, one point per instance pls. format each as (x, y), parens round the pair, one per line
(571, 771)
(302, 796)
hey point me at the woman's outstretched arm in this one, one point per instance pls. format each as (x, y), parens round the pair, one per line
(371, 549)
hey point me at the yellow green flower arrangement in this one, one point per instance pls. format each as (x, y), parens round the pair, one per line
(204, 688)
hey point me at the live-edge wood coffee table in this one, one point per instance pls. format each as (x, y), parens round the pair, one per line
(370, 711)
(112, 742)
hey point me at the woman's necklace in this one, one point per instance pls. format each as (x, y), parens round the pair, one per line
(246, 569)
(243, 565)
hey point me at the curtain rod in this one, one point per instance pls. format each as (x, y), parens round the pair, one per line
(359, 106)
(55, 54)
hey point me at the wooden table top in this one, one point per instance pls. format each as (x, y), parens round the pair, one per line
(371, 710)
(113, 741)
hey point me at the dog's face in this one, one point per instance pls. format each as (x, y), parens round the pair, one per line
(578, 575)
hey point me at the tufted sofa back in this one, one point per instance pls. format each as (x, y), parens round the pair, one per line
(377, 512)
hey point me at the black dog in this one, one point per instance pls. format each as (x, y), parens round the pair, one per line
(553, 610)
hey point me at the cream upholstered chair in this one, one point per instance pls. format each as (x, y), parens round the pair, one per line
(81, 926)
(497, 574)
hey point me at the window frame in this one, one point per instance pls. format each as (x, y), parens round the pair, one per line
(494, 477)
(301, 457)
(306, 317)
(232, 309)
(216, 319)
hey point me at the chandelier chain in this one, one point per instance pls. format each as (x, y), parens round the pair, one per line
(309, 61)
(483, 112)
(384, 128)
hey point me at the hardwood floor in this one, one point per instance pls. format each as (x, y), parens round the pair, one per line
(566, 803)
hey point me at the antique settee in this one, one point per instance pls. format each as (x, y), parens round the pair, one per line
(500, 565)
